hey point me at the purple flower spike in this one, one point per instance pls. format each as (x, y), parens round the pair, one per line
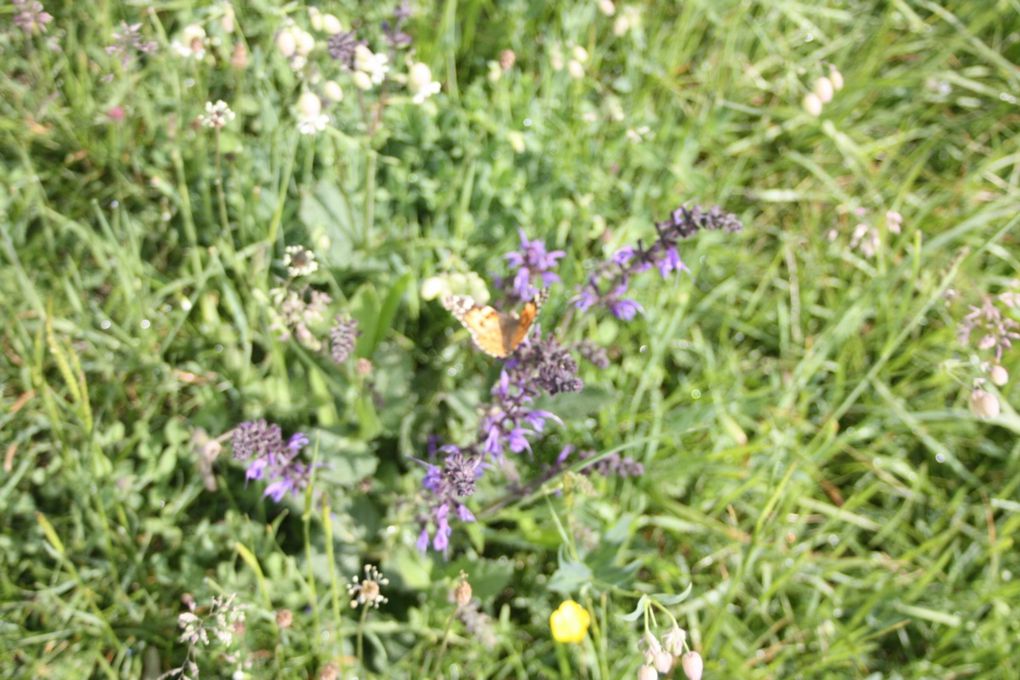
(531, 261)
(423, 541)
(269, 458)
(663, 254)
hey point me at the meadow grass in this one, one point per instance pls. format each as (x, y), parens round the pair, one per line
(813, 473)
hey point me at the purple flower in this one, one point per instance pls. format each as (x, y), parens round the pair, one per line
(270, 458)
(670, 261)
(624, 309)
(423, 541)
(518, 440)
(608, 284)
(531, 261)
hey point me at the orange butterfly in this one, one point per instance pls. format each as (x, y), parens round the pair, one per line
(494, 332)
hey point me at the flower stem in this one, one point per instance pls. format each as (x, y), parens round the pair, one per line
(220, 196)
(442, 647)
(360, 643)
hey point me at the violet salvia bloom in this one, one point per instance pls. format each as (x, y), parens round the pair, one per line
(342, 338)
(532, 261)
(608, 284)
(269, 457)
(540, 366)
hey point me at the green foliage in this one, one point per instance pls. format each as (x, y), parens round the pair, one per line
(818, 501)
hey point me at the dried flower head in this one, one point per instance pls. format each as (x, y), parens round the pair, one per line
(995, 329)
(341, 47)
(284, 618)
(217, 115)
(190, 42)
(342, 338)
(367, 591)
(462, 591)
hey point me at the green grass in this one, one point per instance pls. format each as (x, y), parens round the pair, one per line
(813, 472)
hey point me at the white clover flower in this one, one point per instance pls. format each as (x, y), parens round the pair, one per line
(217, 115)
(420, 83)
(190, 42)
(375, 66)
(865, 238)
(299, 261)
(311, 119)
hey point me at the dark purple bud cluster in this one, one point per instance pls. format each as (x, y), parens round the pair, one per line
(261, 445)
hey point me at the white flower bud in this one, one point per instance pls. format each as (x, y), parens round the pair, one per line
(607, 7)
(663, 662)
(812, 104)
(227, 21)
(984, 404)
(333, 91)
(647, 673)
(305, 41)
(286, 43)
(693, 665)
(580, 54)
(575, 69)
(331, 25)
(362, 80)
(309, 106)
(824, 89)
(315, 18)
(998, 375)
(836, 77)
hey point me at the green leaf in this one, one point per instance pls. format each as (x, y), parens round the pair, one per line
(642, 604)
(677, 598)
(345, 461)
(384, 319)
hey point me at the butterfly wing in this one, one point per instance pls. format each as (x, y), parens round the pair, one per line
(486, 325)
(523, 321)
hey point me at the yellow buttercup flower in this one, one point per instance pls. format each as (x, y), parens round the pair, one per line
(570, 622)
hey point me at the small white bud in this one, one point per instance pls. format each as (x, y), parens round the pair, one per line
(331, 25)
(580, 54)
(693, 665)
(812, 104)
(984, 404)
(836, 77)
(824, 89)
(575, 69)
(647, 673)
(315, 18)
(998, 375)
(607, 7)
(434, 288)
(663, 662)
(309, 106)
(305, 41)
(286, 43)
(362, 80)
(333, 91)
